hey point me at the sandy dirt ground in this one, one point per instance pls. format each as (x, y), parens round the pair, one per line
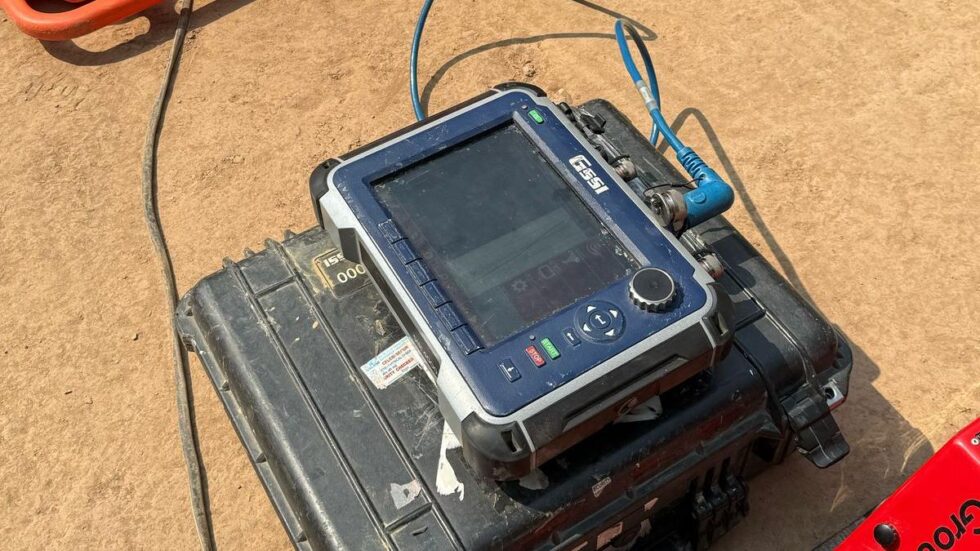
(852, 129)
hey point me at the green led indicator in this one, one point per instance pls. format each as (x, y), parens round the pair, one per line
(535, 116)
(550, 348)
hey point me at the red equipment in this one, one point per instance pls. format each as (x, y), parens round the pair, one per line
(74, 22)
(937, 509)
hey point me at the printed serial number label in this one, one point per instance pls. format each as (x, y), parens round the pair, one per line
(391, 364)
(341, 276)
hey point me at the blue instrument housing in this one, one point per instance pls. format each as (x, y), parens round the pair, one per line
(503, 377)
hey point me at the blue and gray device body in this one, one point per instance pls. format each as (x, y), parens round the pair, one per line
(544, 297)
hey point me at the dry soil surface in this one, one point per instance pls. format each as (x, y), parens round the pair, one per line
(852, 128)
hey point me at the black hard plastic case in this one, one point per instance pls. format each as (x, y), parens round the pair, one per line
(349, 466)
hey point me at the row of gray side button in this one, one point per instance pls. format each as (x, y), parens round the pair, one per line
(433, 292)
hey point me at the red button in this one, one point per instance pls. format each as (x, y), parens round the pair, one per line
(535, 356)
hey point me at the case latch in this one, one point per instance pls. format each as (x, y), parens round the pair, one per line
(818, 437)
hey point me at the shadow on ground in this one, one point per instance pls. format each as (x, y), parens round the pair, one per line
(894, 447)
(438, 75)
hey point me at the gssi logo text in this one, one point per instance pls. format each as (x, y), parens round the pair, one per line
(581, 165)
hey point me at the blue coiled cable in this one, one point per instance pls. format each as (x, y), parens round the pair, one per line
(413, 69)
(651, 80)
(712, 197)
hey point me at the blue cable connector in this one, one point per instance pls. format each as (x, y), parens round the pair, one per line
(713, 195)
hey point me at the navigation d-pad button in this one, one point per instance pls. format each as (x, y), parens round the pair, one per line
(600, 321)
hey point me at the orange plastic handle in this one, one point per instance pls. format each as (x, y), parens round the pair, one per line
(74, 22)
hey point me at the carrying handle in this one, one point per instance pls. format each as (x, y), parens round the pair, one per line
(72, 23)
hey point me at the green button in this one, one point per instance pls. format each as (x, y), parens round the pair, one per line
(535, 116)
(550, 348)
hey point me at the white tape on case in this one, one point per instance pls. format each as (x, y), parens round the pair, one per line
(391, 364)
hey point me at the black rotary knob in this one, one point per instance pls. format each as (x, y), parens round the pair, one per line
(652, 289)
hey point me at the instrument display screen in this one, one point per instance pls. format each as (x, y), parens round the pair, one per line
(502, 231)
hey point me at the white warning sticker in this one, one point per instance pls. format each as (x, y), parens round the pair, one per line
(391, 364)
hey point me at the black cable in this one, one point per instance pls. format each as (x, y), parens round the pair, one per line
(185, 414)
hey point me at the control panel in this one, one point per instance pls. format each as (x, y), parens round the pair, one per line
(530, 274)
